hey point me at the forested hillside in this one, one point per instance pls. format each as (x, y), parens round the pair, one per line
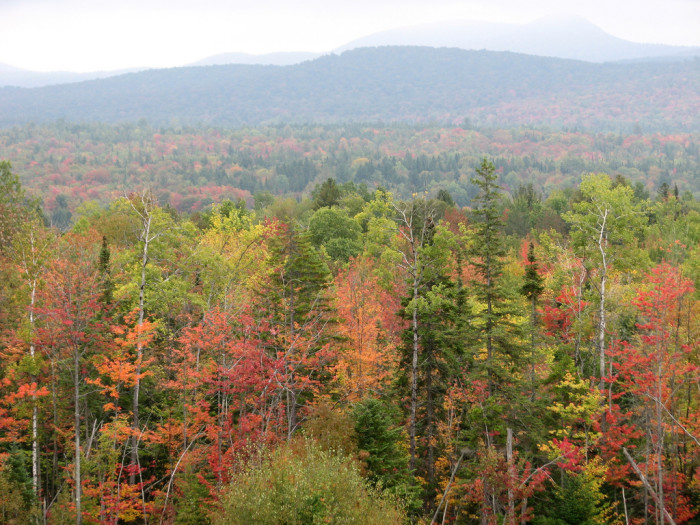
(67, 164)
(397, 285)
(354, 355)
(390, 84)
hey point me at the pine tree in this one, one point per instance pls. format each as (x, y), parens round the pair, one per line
(103, 266)
(295, 301)
(432, 348)
(497, 352)
(532, 289)
(379, 442)
(493, 330)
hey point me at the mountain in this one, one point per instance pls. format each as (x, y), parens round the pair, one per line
(14, 76)
(568, 37)
(562, 37)
(409, 84)
(269, 59)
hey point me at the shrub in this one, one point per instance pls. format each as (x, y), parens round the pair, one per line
(300, 484)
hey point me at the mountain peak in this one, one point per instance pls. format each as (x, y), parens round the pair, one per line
(560, 35)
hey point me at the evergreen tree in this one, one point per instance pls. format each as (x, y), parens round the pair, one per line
(326, 195)
(103, 266)
(494, 332)
(14, 208)
(532, 289)
(379, 442)
(603, 227)
(295, 303)
(432, 348)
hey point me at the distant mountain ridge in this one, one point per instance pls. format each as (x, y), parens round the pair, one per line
(569, 37)
(267, 59)
(14, 76)
(409, 84)
(558, 37)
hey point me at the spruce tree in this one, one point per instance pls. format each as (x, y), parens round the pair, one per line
(532, 289)
(296, 304)
(496, 339)
(103, 266)
(487, 252)
(432, 349)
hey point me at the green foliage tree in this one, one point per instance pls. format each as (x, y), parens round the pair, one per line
(11, 197)
(104, 268)
(326, 195)
(61, 215)
(431, 356)
(379, 441)
(604, 226)
(336, 232)
(17, 506)
(524, 211)
(576, 500)
(532, 289)
(494, 331)
(294, 299)
(299, 484)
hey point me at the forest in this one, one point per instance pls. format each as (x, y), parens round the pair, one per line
(68, 165)
(386, 84)
(310, 325)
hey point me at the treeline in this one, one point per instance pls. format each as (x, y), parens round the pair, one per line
(189, 169)
(353, 357)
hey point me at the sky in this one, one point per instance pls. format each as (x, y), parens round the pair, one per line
(105, 35)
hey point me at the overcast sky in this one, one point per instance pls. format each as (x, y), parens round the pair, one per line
(89, 35)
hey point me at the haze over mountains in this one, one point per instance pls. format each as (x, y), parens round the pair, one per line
(390, 84)
(559, 37)
(14, 76)
(268, 59)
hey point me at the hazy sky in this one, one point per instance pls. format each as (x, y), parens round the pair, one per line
(88, 35)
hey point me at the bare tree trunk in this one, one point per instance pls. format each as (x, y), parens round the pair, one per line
(413, 264)
(146, 236)
(523, 512)
(139, 357)
(414, 377)
(650, 489)
(511, 476)
(660, 438)
(35, 408)
(291, 409)
(533, 345)
(602, 245)
(447, 489)
(601, 326)
(430, 424)
(76, 414)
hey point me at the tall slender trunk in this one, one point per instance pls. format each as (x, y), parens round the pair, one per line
(602, 246)
(430, 424)
(656, 497)
(414, 375)
(511, 476)
(54, 407)
(533, 339)
(601, 329)
(76, 414)
(660, 436)
(139, 349)
(489, 326)
(291, 391)
(35, 409)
